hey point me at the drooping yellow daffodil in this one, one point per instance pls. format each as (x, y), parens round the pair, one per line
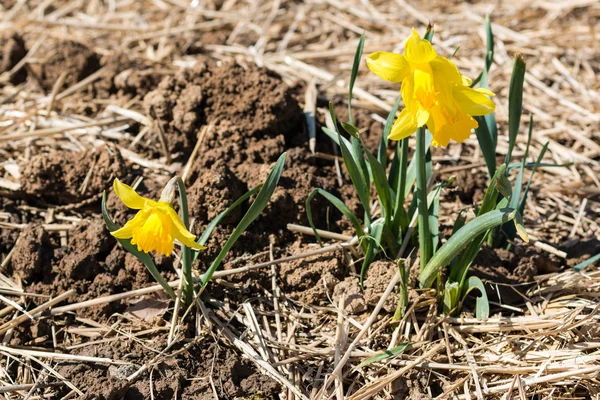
(434, 92)
(156, 225)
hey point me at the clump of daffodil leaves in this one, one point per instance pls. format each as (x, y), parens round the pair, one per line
(157, 227)
(441, 105)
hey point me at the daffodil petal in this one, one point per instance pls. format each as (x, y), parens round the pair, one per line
(126, 231)
(404, 126)
(180, 232)
(473, 102)
(128, 196)
(485, 91)
(417, 50)
(389, 66)
(444, 70)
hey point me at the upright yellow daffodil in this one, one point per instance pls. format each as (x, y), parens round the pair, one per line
(434, 92)
(155, 226)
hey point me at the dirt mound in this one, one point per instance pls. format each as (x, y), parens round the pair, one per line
(74, 58)
(213, 192)
(33, 254)
(230, 97)
(64, 177)
(13, 50)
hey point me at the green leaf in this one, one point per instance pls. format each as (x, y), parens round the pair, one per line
(516, 191)
(515, 103)
(451, 298)
(482, 305)
(337, 203)
(434, 222)
(584, 264)
(503, 186)
(532, 164)
(461, 239)
(387, 128)
(486, 144)
(383, 187)
(259, 204)
(356, 175)
(332, 114)
(355, 66)
(429, 33)
(374, 243)
(538, 162)
(489, 58)
(350, 129)
(385, 355)
(520, 228)
(460, 266)
(459, 222)
(143, 257)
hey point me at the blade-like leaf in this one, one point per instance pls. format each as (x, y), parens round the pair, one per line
(538, 162)
(590, 261)
(355, 66)
(515, 104)
(387, 128)
(429, 33)
(434, 222)
(350, 129)
(259, 204)
(383, 187)
(385, 355)
(460, 266)
(337, 203)
(374, 243)
(451, 298)
(461, 239)
(486, 144)
(143, 257)
(356, 175)
(482, 305)
(516, 190)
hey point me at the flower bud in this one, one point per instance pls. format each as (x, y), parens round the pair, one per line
(168, 193)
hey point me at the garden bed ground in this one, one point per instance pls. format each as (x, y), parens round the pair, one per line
(145, 90)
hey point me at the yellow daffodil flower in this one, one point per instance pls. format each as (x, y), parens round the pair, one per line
(434, 93)
(156, 225)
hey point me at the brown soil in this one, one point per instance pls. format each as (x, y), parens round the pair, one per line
(74, 58)
(13, 50)
(65, 177)
(508, 274)
(232, 99)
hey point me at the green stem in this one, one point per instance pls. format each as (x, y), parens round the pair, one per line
(425, 242)
(397, 227)
(186, 253)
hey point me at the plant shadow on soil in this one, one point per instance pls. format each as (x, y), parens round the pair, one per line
(249, 130)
